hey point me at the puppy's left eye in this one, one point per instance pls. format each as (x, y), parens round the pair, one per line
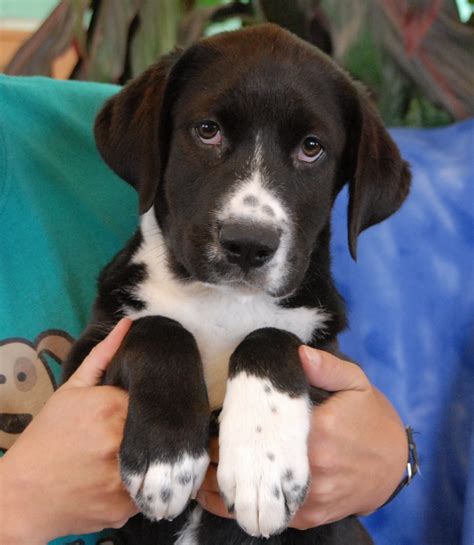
(310, 149)
(209, 132)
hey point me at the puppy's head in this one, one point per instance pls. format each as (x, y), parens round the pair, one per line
(239, 146)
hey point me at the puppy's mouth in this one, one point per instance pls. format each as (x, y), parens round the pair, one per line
(236, 259)
(255, 281)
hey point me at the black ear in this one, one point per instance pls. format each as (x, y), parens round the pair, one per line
(379, 180)
(127, 130)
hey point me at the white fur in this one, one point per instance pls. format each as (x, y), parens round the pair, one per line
(161, 492)
(219, 318)
(188, 536)
(262, 442)
(235, 209)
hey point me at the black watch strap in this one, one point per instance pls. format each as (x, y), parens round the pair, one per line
(413, 466)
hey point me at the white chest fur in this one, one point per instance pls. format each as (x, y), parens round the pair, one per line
(218, 318)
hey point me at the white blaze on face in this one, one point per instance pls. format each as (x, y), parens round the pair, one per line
(252, 201)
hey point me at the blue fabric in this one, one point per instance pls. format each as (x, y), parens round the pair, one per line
(411, 306)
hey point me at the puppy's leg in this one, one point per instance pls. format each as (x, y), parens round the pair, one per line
(163, 456)
(263, 470)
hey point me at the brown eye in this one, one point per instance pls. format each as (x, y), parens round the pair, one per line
(209, 132)
(311, 149)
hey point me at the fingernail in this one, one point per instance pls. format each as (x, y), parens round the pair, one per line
(312, 355)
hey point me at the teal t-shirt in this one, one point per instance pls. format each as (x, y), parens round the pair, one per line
(63, 215)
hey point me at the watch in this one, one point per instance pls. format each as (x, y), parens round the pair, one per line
(412, 468)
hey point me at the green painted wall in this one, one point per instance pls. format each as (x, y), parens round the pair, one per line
(26, 9)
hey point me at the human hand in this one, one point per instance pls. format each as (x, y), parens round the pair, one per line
(357, 447)
(62, 476)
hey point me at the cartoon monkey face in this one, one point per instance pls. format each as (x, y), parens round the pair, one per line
(26, 381)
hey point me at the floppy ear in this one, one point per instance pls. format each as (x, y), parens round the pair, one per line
(379, 180)
(127, 130)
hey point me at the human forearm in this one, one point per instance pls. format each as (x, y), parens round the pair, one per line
(16, 526)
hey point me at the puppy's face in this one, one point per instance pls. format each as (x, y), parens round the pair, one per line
(247, 139)
(252, 170)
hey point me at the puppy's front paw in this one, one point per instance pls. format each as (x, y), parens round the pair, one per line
(162, 490)
(263, 470)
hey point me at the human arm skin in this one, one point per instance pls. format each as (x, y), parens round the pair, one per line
(357, 446)
(61, 476)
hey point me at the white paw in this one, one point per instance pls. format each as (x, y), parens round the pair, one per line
(263, 470)
(164, 490)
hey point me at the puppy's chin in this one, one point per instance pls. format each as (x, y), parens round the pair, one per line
(247, 288)
(243, 288)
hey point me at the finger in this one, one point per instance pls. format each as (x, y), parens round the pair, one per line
(90, 372)
(310, 515)
(127, 506)
(133, 509)
(214, 450)
(212, 502)
(330, 373)
(210, 480)
(301, 522)
(127, 510)
(305, 520)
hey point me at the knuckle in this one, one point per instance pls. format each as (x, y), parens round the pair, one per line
(323, 491)
(322, 460)
(114, 484)
(108, 407)
(360, 376)
(102, 412)
(109, 445)
(115, 511)
(302, 523)
(308, 520)
(125, 511)
(319, 519)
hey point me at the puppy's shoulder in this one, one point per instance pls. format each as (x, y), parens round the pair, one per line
(118, 280)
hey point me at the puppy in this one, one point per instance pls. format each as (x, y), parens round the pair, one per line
(237, 148)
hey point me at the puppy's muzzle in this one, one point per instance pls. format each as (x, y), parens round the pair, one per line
(248, 245)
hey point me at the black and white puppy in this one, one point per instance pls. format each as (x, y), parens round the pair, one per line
(238, 148)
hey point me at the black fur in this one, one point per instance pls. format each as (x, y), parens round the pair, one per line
(271, 353)
(261, 81)
(119, 278)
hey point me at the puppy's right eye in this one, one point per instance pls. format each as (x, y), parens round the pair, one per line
(209, 132)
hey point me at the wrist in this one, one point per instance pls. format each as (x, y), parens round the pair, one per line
(18, 523)
(412, 466)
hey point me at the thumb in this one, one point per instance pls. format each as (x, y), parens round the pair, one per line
(91, 370)
(330, 373)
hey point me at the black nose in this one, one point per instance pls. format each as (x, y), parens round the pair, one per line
(248, 246)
